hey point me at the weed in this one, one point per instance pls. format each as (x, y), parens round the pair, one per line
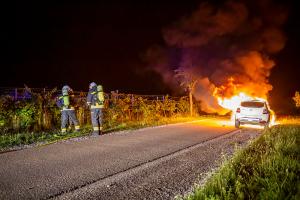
(268, 168)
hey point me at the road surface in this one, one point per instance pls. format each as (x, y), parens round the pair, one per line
(67, 169)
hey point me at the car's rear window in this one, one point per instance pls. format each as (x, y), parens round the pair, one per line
(252, 104)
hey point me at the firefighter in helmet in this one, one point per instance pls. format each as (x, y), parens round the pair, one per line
(68, 114)
(95, 99)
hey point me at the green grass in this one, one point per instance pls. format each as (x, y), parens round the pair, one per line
(17, 139)
(268, 168)
(10, 140)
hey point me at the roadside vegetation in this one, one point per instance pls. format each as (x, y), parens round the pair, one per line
(289, 120)
(269, 168)
(37, 119)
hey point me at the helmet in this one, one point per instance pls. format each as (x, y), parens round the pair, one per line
(92, 84)
(66, 88)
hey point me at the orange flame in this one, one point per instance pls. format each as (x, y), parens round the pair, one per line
(231, 95)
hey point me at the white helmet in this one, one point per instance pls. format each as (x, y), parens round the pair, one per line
(66, 88)
(92, 84)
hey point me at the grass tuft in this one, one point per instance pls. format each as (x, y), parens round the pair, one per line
(268, 168)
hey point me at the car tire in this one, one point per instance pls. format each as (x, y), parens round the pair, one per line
(267, 125)
(237, 124)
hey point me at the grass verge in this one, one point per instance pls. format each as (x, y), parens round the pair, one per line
(268, 168)
(12, 140)
(289, 120)
(17, 139)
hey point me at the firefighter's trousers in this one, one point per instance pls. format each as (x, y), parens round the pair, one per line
(96, 116)
(69, 116)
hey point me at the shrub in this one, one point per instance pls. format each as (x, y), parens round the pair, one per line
(25, 112)
(40, 113)
(6, 112)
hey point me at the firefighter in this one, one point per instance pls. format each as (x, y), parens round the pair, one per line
(68, 114)
(95, 100)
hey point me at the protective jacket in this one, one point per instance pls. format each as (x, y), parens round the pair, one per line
(65, 102)
(95, 98)
(68, 115)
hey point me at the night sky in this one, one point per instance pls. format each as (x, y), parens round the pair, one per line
(51, 44)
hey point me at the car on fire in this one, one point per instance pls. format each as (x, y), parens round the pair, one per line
(252, 112)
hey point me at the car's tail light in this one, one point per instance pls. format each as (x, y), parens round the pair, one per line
(265, 111)
(238, 110)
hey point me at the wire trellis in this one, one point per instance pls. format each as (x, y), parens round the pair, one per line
(23, 94)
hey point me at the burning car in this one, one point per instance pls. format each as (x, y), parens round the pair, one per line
(253, 112)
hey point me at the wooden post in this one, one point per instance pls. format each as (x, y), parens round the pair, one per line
(16, 94)
(191, 102)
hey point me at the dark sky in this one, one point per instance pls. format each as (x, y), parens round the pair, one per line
(50, 44)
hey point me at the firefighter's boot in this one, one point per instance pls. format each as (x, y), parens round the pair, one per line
(77, 128)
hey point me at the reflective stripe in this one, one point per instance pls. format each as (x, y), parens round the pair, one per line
(77, 127)
(97, 106)
(96, 128)
(101, 128)
(93, 92)
(63, 130)
(71, 108)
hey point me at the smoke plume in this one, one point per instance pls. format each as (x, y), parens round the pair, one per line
(227, 46)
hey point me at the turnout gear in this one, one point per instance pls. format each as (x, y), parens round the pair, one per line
(95, 100)
(68, 114)
(65, 98)
(96, 117)
(100, 96)
(67, 117)
(95, 97)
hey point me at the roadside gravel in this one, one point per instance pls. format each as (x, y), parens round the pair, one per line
(169, 176)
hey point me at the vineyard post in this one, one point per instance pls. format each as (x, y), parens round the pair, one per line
(16, 94)
(191, 102)
(188, 81)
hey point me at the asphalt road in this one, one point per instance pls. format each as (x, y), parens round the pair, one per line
(49, 171)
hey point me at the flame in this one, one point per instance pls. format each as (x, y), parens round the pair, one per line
(231, 95)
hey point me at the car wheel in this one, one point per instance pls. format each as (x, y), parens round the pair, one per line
(237, 124)
(267, 125)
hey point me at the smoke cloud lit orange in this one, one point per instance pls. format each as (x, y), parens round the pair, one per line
(228, 46)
